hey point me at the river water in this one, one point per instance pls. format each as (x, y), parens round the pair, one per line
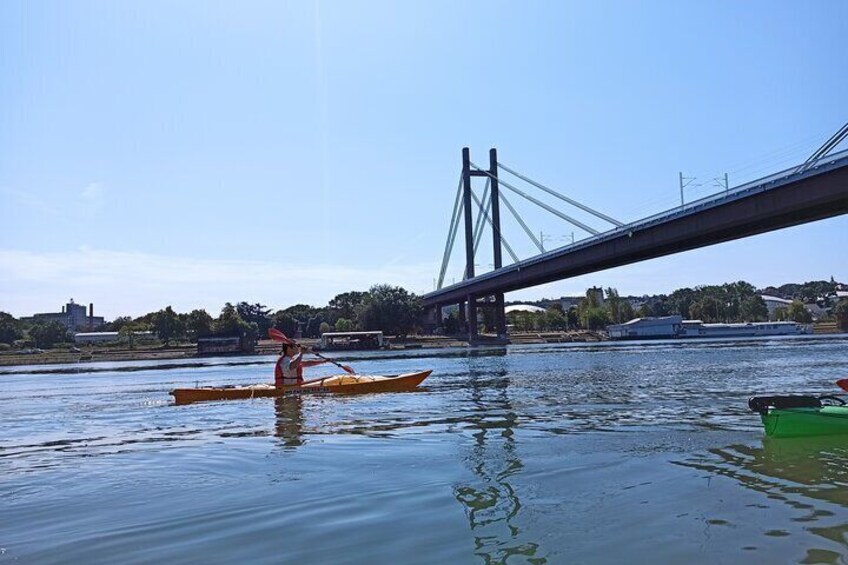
(571, 453)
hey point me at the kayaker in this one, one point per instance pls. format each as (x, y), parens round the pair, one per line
(290, 365)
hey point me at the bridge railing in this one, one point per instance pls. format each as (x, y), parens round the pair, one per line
(710, 200)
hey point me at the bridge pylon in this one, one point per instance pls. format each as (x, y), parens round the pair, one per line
(471, 300)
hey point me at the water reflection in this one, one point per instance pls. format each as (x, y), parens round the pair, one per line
(809, 475)
(289, 420)
(491, 504)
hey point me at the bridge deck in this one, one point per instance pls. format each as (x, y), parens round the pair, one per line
(781, 200)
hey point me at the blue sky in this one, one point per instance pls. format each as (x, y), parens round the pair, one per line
(193, 153)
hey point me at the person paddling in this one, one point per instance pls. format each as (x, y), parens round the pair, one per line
(290, 365)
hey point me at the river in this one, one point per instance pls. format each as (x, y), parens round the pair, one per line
(562, 453)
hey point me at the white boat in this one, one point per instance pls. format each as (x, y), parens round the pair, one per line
(672, 327)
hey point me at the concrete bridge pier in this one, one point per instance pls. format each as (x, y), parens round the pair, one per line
(500, 316)
(432, 317)
(471, 318)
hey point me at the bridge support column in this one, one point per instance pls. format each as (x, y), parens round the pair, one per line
(432, 318)
(461, 318)
(472, 318)
(500, 316)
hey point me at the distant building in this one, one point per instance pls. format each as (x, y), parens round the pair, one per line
(599, 294)
(105, 337)
(773, 303)
(225, 345)
(72, 315)
(568, 301)
(523, 308)
(352, 340)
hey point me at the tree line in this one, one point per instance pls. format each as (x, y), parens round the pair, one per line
(730, 302)
(391, 309)
(396, 311)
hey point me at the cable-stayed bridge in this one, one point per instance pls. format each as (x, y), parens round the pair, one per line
(813, 190)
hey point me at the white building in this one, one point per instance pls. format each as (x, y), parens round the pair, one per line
(773, 303)
(106, 337)
(523, 308)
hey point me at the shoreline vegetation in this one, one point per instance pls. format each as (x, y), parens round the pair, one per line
(48, 339)
(185, 355)
(263, 348)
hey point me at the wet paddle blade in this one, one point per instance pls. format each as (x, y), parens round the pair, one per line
(843, 384)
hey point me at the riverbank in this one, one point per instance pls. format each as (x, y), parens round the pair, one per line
(264, 347)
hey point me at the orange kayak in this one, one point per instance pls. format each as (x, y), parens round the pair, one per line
(337, 384)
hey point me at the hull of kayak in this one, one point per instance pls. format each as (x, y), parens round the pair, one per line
(805, 422)
(337, 384)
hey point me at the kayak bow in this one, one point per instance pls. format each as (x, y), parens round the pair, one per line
(337, 384)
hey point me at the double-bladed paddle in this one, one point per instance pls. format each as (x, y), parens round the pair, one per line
(277, 335)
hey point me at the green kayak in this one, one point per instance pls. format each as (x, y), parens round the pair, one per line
(801, 416)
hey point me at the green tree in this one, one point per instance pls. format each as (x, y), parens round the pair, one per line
(344, 305)
(626, 313)
(595, 318)
(799, 313)
(10, 328)
(48, 334)
(573, 318)
(257, 314)
(753, 309)
(198, 323)
(229, 323)
(301, 312)
(391, 309)
(129, 330)
(554, 319)
(841, 313)
(781, 313)
(166, 324)
(118, 323)
(645, 311)
(681, 300)
(286, 323)
(313, 325)
(613, 305)
(451, 323)
(344, 325)
(708, 309)
(325, 327)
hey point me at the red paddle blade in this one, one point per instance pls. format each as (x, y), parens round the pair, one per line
(277, 335)
(843, 384)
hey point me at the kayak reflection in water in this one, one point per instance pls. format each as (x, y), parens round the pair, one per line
(290, 365)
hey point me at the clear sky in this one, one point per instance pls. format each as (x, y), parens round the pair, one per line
(191, 153)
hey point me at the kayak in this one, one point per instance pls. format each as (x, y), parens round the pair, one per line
(336, 384)
(801, 416)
